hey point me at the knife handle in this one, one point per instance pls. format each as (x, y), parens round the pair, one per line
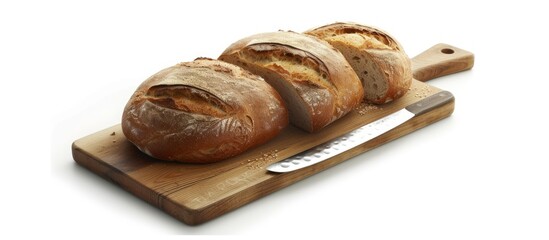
(428, 103)
(441, 60)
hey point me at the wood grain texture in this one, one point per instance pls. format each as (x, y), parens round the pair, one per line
(196, 193)
(440, 60)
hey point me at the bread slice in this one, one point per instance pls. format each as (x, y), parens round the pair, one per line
(313, 78)
(377, 58)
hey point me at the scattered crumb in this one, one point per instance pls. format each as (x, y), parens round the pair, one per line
(365, 108)
(113, 133)
(262, 160)
(113, 141)
(422, 92)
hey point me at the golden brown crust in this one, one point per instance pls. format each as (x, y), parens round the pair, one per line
(202, 111)
(319, 86)
(361, 44)
(339, 28)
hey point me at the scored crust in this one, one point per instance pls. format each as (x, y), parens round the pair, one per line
(377, 58)
(202, 111)
(313, 78)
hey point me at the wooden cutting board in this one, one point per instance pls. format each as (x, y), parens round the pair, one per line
(196, 193)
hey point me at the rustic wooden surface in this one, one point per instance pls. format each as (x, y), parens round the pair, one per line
(197, 193)
(441, 60)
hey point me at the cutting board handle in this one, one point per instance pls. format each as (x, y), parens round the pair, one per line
(440, 60)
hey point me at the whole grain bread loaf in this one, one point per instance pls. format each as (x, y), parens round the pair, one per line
(313, 78)
(202, 111)
(377, 58)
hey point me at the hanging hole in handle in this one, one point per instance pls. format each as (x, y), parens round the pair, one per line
(447, 50)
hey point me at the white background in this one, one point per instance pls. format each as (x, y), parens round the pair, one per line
(68, 68)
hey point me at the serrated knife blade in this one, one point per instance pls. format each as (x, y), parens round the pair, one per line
(359, 136)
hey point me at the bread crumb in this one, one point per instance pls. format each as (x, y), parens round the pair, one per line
(262, 160)
(422, 92)
(113, 133)
(365, 108)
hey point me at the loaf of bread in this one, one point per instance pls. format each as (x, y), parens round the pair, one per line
(377, 58)
(202, 111)
(313, 78)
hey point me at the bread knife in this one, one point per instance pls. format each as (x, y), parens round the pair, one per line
(359, 136)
